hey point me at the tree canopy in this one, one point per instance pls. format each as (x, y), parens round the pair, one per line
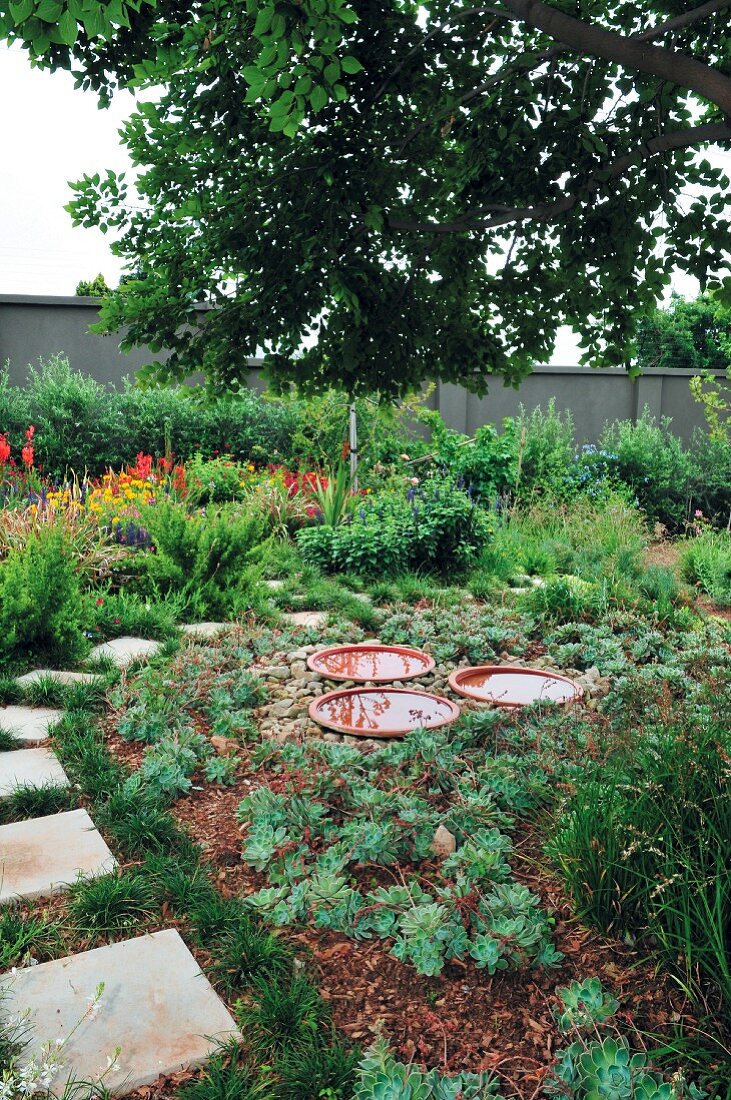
(376, 192)
(692, 335)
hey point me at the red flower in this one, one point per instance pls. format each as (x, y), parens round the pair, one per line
(27, 452)
(29, 433)
(4, 449)
(99, 602)
(143, 466)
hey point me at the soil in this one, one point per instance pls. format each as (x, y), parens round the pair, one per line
(667, 554)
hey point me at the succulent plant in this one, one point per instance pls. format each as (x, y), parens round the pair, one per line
(606, 1070)
(583, 1004)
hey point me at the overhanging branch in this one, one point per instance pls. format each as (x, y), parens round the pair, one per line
(545, 212)
(629, 52)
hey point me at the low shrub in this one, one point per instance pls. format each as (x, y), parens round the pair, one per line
(546, 442)
(706, 562)
(486, 465)
(210, 560)
(433, 526)
(654, 464)
(41, 616)
(214, 480)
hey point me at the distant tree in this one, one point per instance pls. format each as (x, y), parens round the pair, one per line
(93, 288)
(374, 192)
(695, 335)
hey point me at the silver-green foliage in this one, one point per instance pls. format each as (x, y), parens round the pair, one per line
(340, 810)
(381, 1077)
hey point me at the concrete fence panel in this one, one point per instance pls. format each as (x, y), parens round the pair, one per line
(37, 327)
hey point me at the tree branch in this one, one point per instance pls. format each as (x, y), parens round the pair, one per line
(506, 215)
(588, 39)
(684, 20)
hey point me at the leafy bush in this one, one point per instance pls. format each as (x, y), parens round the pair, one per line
(214, 480)
(706, 562)
(712, 485)
(653, 463)
(73, 416)
(486, 465)
(209, 559)
(321, 429)
(431, 526)
(40, 601)
(546, 441)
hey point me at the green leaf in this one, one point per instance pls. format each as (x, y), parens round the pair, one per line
(253, 76)
(67, 28)
(21, 11)
(332, 72)
(318, 98)
(351, 65)
(347, 15)
(263, 20)
(49, 11)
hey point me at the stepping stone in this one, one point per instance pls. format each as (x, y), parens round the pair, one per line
(204, 631)
(156, 1006)
(275, 585)
(59, 675)
(30, 724)
(123, 651)
(30, 768)
(39, 858)
(306, 618)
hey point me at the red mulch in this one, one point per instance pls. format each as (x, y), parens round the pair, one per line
(462, 1019)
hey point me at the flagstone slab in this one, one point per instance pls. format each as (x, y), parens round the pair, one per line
(123, 651)
(39, 858)
(30, 768)
(61, 676)
(156, 1006)
(306, 618)
(205, 631)
(29, 724)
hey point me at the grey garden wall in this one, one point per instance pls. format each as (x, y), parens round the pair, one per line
(35, 327)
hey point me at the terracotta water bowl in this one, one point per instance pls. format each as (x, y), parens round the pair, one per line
(507, 686)
(378, 664)
(381, 712)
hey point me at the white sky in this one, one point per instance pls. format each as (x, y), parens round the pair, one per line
(51, 133)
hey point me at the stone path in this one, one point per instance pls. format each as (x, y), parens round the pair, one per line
(306, 618)
(156, 1005)
(29, 724)
(59, 675)
(30, 768)
(123, 651)
(40, 857)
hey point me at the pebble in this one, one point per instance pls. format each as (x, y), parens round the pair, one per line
(277, 672)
